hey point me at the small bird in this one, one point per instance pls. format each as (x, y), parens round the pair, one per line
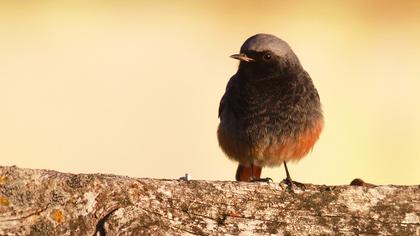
(271, 112)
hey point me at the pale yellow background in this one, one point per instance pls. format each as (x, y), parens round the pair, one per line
(133, 88)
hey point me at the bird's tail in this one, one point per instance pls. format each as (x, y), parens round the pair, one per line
(244, 173)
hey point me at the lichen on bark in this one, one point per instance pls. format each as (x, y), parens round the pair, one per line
(45, 202)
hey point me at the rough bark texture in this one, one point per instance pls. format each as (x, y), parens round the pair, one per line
(44, 202)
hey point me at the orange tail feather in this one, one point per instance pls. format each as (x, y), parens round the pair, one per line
(243, 173)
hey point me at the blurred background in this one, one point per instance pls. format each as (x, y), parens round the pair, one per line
(133, 88)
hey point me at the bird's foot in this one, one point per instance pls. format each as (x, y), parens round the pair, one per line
(290, 184)
(265, 180)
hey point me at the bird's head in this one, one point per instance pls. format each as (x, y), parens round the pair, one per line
(265, 55)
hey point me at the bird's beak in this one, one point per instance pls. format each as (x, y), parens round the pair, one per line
(242, 57)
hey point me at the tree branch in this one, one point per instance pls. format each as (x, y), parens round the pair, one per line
(97, 204)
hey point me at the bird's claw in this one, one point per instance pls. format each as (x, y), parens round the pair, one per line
(290, 183)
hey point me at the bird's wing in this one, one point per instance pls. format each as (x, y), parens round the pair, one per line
(304, 76)
(228, 90)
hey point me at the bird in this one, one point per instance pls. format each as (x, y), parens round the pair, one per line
(270, 113)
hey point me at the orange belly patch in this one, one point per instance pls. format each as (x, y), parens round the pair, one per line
(271, 154)
(289, 149)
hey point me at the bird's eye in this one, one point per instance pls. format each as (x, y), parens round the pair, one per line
(267, 56)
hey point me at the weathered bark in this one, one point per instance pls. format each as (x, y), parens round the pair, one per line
(44, 202)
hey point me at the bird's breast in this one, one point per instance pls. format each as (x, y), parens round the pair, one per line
(270, 122)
